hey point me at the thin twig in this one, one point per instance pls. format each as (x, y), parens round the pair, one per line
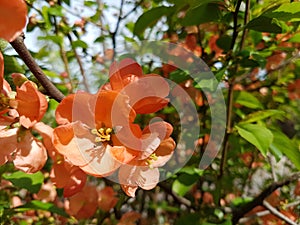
(21, 49)
(242, 210)
(275, 212)
(178, 199)
(228, 129)
(235, 24)
(84, 80)
(246, 19)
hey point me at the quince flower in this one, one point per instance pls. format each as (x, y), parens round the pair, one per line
(19, 115)
(86, 136)
(143, 170)
(12, 18)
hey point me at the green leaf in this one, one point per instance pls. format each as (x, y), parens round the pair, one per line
(263, 114)
(184, 183)
(295, 38)
(56, 11)
(79, 44)
(247, 99)
(150, 18)
(286, 12)
(54, 38)
(12, 65)
(224, 42)
(31, 182)
(260, 136)
(202, 14)
(265, 24)
(179, 76)
(38, 205)
(281, 143)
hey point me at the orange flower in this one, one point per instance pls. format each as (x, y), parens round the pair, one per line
(12, 18)
(83, 205)
(143, 170)
(87, 138)
(63, 174)
(107, 199)
(147, 93)
(18, 117)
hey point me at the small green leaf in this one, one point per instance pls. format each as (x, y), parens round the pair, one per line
(38, 205)
(179, 76)
(31, 182)
(281, 143)
(260, 136)
(54, 38)
(265, 24)
(202, 14)
(260, 115)
(149, 19)
(247, 99)
(79, 44)
(184, 183)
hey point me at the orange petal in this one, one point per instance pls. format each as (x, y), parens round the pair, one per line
(163, 129)
(83, 205)
(12, 18)
(164, 152)
(129, 190)
(147, 94)
(102, 162)
(75, 107)
(141, 176)
(31, 155)
(31, 103)
(107, 199)
(8, 144)
(113, 109)
(118, 72)
(121, 154)
(71, 178)
(70, 141)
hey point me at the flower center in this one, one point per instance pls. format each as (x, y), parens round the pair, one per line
(151, 159)
(103, 134)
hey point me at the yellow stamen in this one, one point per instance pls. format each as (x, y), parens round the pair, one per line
(103, 134)
(4, 102)
(151, 159)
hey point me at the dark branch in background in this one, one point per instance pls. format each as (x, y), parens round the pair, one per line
(21, 49)
(84, 79)
(113, 34)
(235, 24)
(120, 18)
(177, 198)
(242, 210)
(246, 19)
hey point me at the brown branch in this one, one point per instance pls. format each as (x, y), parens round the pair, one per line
(242, 210)
(21, 49)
